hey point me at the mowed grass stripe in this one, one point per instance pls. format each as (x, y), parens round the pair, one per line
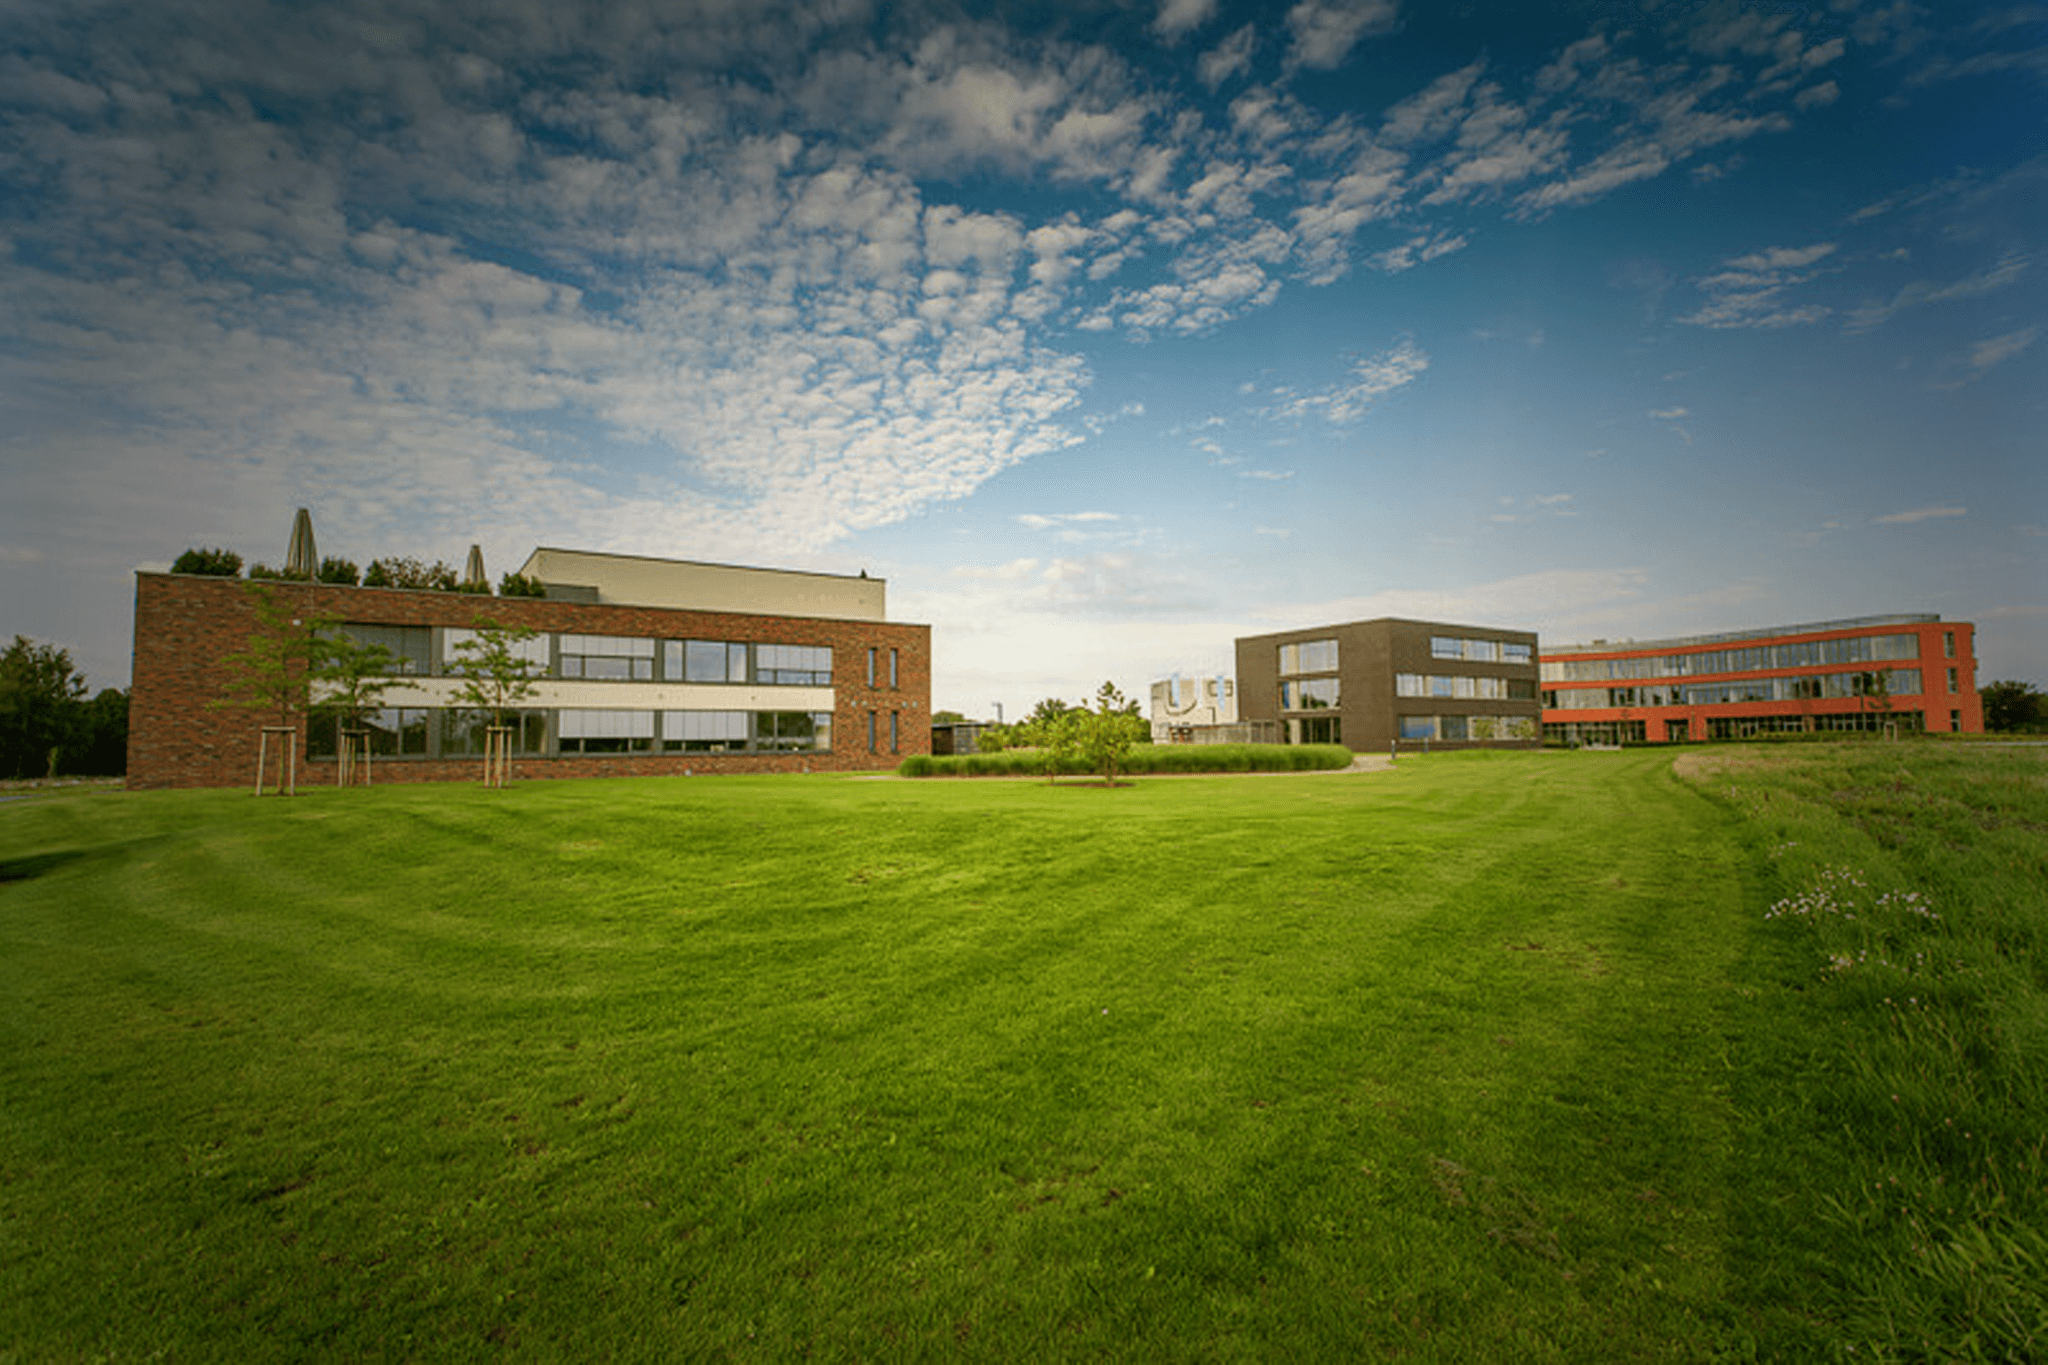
(1428, 1060)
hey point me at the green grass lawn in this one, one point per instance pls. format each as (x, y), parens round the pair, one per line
(1490, 1057)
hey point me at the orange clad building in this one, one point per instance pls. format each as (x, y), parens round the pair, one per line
(1912, 672)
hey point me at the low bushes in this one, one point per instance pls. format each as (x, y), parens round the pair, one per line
(1143, 758)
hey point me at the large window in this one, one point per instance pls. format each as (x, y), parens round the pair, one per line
(704, 661)
(704, 732)
(606, 732)
(412, 647)
(1318, 730)
(621, 658)
(463, 731)
(793, 665)
(392, 731)
(1308, 694)
(1477, 651)
(792, 731)
(1309, 656)
(1468, 689)
(533, 650)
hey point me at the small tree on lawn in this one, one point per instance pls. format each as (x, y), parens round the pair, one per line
(1877, 696)
(274, 673)
(1109, 732)
(496, 679)
(352, 678)
(1058, 735)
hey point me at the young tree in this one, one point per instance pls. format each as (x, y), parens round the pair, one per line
(351, 679)
(274, 673)
(1057, 733)
(1109, 732)
(496, 679)
(41, 696)
(1875, 693)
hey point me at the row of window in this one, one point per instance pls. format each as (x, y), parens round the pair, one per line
(1481, 651)
(1576, 732)
(1467, 727)
(1476, 689)
(454, 732)
(623, 658)
(1897, 682)
(1803, 654)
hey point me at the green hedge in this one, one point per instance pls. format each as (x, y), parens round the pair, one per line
(1145, 758)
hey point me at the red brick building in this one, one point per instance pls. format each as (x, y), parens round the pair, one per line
(1910, 672)
(640, 666)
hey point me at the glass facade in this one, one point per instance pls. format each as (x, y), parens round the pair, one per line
(1467, 728)
(705, 732)
(1754, 659)
(704, 661)
(1463, 688)
(793, 665)
(616, 658)
(792, 731)
(1308, 694)
(463, 731)
(1309, 656)
(1478, 651)
(411, 647)
(1897, 682)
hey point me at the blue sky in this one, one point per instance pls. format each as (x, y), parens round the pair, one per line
(1106, 332)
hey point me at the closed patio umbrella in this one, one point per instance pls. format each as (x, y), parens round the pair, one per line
(302, 557)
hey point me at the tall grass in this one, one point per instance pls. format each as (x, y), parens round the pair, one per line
(1144, 758)
(1909, 938)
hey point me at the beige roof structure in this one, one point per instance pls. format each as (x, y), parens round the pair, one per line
(635, 580)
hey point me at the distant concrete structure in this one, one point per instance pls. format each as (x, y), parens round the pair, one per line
(1182, 707)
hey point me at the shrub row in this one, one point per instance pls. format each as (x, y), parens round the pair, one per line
(1143, 758)
(398, 571)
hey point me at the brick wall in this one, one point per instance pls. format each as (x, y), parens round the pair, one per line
(185, 625)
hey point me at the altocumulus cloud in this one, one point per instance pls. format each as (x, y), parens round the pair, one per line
(713, 288)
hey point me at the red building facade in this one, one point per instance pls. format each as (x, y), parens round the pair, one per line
(1903, 673)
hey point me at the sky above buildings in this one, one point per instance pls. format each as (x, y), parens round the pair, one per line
(1106, 331)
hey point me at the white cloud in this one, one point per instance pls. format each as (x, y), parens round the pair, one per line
(1747, 291)
(1920, 514)
(1178, 18)
(1985, 354)
(1415, 251)
(1325, 31)
(1817, 96)
(1231, 57)
(1376, 376)
(1922, 292)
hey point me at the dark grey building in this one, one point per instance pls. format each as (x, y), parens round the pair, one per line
(1365, 684)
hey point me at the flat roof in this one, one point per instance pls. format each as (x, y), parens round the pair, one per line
(1760, 633)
